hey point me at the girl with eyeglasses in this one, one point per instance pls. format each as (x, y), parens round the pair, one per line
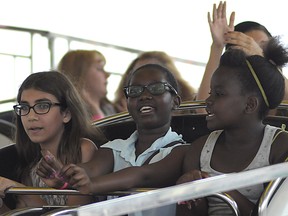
(151, 96)
(50, 119)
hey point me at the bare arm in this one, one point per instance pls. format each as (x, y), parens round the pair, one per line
(88, 149)
(279, 149)
(218, 28)
(159, 174)
(22, 200)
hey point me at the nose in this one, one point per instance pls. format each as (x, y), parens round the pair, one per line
(145, 94)
(32, 115)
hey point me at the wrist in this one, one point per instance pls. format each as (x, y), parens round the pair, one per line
(217, 47)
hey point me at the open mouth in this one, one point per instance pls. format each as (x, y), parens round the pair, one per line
(146, 109)
(35, 129)
(210, 114)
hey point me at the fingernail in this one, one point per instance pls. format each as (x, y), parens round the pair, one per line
(48, 157)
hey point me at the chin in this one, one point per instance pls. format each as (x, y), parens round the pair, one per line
(212, 126)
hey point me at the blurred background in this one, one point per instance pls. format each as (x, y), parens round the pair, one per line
(35, 34)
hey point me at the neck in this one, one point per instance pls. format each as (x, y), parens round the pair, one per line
(244, 136)
(146, 137)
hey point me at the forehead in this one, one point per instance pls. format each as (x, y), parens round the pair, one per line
(225, 77)
(32, 95)
(259, 36)
(142, 62)
(148, 75)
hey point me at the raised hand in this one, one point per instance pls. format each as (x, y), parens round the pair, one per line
(218, 24)
(243, 42)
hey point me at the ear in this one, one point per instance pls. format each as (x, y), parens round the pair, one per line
(176, 102)
(66, 116)
(252, 104)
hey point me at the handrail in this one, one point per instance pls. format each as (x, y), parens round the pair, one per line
(229, 200)
(267, 195)
(186, 191)
(43, 191)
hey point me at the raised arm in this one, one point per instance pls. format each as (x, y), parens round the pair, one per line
(218, 28)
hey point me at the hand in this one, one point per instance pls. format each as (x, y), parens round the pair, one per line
(218, 26)
(243, 42)
(188, 177)
(6, 184)
(49, 169)
(77, 178)
(192, 176)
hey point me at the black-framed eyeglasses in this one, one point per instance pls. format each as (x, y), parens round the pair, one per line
(154, 88)
(39, 108)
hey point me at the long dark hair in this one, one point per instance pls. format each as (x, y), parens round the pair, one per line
(79, 126)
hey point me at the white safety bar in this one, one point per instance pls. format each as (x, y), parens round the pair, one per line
(182, 192)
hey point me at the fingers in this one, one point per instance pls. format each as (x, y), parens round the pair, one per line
(204, 174)
(51, 160)
(45, 170)
(75, 175)
(209, 19)
(223, 15)
(219, 10)
(214, 14)
(191, 203)
(77, 178)
(231, 21)
(190, 176)
(238, 38)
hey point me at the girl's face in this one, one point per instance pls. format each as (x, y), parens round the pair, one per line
(45, 129)
(226, 103)
(96, 80)
(151, 111)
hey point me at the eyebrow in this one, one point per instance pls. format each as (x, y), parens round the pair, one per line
(37, 101)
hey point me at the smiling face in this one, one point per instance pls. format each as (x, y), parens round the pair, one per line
(226, 103)
(151, 111)
(45, 129)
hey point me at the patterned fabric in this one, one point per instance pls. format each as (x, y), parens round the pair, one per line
(58, 200)
(55, 200)
(261, 159)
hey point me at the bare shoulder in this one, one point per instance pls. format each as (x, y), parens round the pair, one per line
(197, 145)
(192, 155)
(279, 148)
(88, 148)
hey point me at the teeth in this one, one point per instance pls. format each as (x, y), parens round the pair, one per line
(145, 109)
